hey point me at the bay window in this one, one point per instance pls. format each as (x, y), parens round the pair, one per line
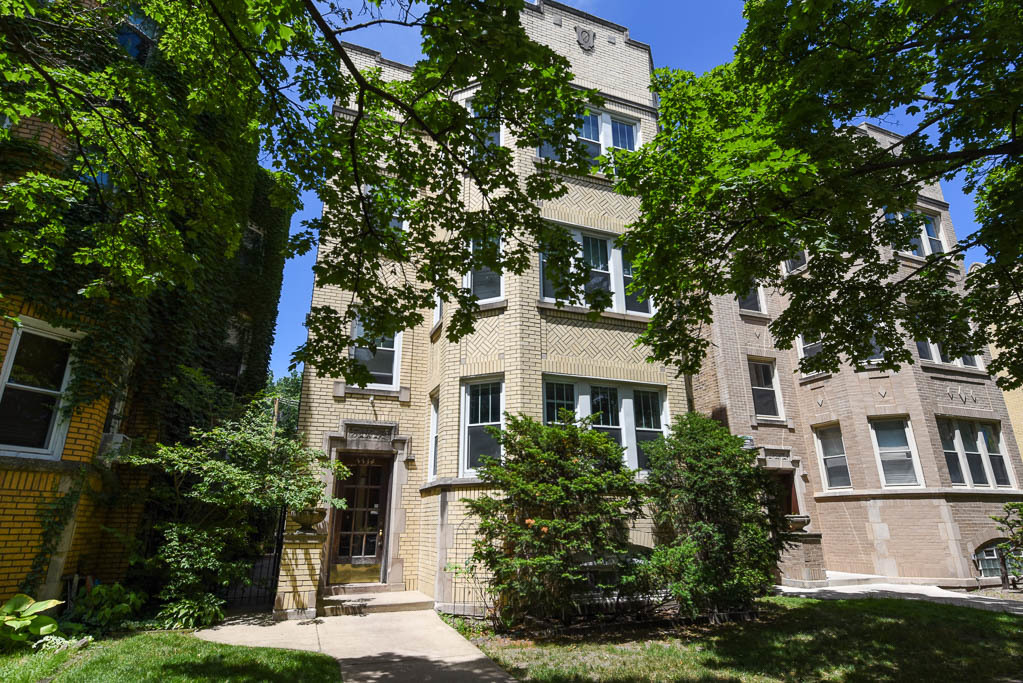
(752, 301)
(630, 415)
(598, 132)
(973, 453)
(935, 353)
(896, 455)
(610, 270)
(383, 361)
(485, 284)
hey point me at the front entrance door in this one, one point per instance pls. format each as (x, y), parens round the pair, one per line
(358, 548)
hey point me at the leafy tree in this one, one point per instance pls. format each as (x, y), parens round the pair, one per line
(719, 527)
(554, 533)
(1011, 523)
(757, 160)
(139, 90)
(205, 499)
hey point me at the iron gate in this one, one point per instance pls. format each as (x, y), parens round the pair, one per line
(259, 594)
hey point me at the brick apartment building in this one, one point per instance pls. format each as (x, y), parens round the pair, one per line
(898, 472)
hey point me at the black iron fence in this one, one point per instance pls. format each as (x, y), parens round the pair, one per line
(261, 590)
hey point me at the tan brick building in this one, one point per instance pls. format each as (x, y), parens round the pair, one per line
(412, 438)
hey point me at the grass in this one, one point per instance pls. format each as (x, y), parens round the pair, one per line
(167, 657)
(795, 639)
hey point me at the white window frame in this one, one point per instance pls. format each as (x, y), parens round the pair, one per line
(59, 428)
(801, 353)
(438, 309)
(395, 369)
(606, 136)
(626, 414)
(431, 464)
(819, 444)
(615, 264)
(463, 452)
(911, 441)
(785, 264)
(773, 362)
(957, 362)
(467, 279)
(985, 454)
(761, 301)
(925, 239)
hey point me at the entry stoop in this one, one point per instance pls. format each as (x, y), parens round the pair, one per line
(371, 603)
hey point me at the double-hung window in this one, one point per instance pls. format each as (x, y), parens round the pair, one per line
(610, 270)
(796, 262)
(482, 408)
(597, 255)
(485, 284)
(936, 353)
(832, 452)
(973, 453)
(630, 415)
(752, 301)
(646, 411)
(928, 240)
(434, 410)
(766, 396)
(382, 362)
(604, 408)
(598, 132)
(809, 348)
(35, 374)
(896, 455)
(491, 123)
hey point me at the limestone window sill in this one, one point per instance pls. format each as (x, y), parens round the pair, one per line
(816, 377)
(341, 390)
(917, 492)
(757, 421)
(499, 305)
(753, 315)
(448, 483)
(582, 310)
(556, 166)
(435, 330)
(931, 366)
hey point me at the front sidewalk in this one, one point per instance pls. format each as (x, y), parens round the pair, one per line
(389, 646)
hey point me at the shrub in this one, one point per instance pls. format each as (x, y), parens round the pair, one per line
(718, 526)
(554, 533)
(1012, 548)
(105, 606)
(203, 499)
(22, 617)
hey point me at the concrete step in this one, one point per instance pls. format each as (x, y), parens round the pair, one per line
(850, 579)
(370, 603)
(362, 588)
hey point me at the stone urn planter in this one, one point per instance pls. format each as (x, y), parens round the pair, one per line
(307, 518)
(797, 523)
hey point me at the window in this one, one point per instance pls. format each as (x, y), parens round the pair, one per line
(610, 270)
(598, 132)
(935, 353)
(558, 396)
(974, 449)
(491, 124)
(486, 285)
(892, 445)
(989, 561)
(809, 349)
(766, 399)
(383, 363)
(604, 400)
(483, 408)
(623, 135)
(35, 374)
(589, 135)
(646, 411)
(796, 262)
(928, 240)
(596, 256)
(752, 301)
(832, 452)
(434, 409)
(138, 37)
(630, 415)
(635, 302)
(438, 309)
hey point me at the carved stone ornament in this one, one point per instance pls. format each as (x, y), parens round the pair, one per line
(586, 38)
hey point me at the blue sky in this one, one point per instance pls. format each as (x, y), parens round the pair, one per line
(683, 34)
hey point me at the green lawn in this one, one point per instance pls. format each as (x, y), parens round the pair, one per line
(795, 639)
(168, 657)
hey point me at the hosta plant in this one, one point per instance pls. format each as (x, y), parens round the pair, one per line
(22, 617)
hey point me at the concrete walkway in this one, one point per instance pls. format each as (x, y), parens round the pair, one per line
(907, 592)
(389, 646)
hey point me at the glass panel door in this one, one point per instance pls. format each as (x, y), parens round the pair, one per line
(359, 529)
